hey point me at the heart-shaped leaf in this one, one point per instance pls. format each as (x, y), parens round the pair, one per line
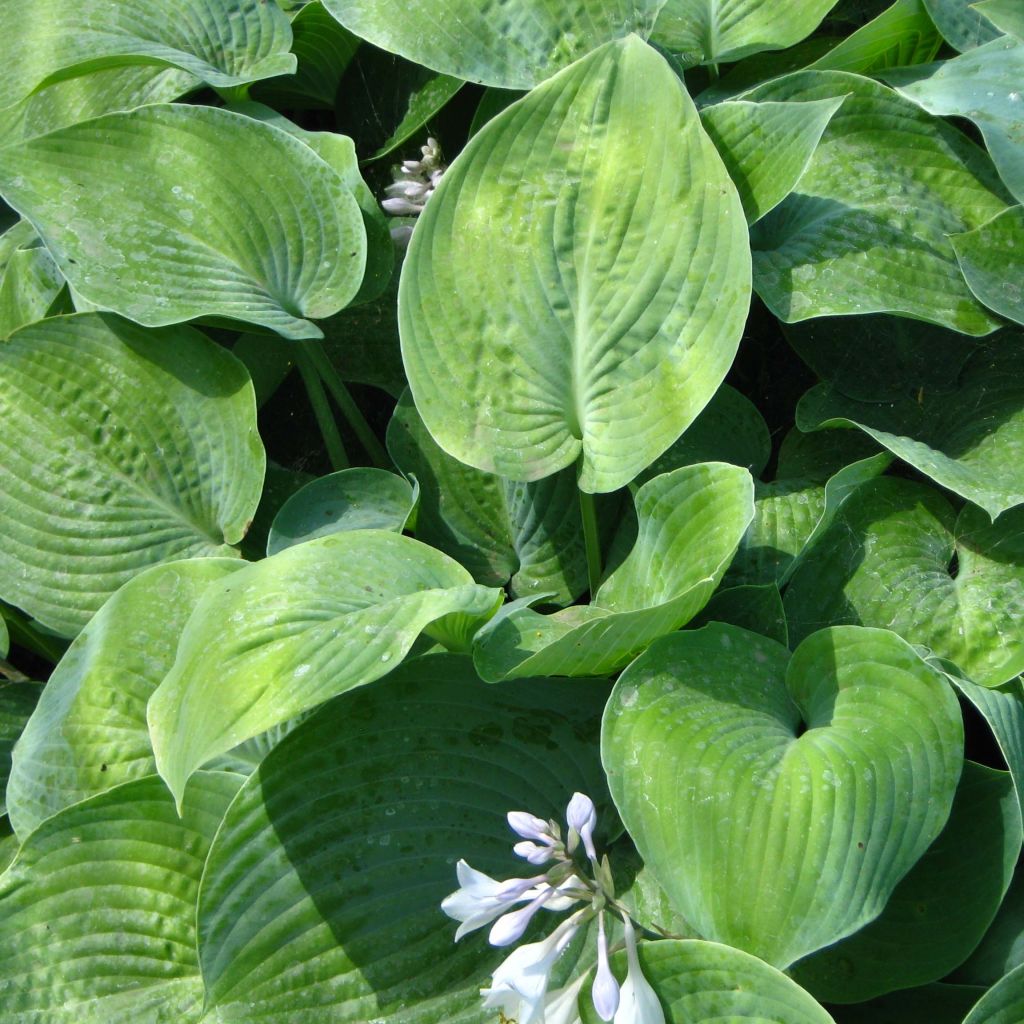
(690, 522)
(307, 624)
(888, 561)
(89, 733)
(101, 902)
(985, 254)
(528, 535)
(961, 25)
(321, 898)
(168, 194)
(847, 240)
(1002, 1004)
(569, 345)
(969, 439)
(156, 458)
(706, 32)
(777, 841)
(515, 45)
(224, 43)
(362, 498)
(983, 85)
(941, 909)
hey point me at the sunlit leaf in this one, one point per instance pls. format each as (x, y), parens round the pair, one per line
(986, 257)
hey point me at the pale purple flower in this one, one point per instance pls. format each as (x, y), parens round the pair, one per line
(581, 817)
(509, 927)
(533, 852)
(480, 898)
(639, 1003)
(605, 992)
(529, 826)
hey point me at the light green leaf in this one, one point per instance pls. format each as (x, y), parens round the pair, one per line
(690, 522)
(706, 31)
(941, 909)
(767, 146)
(528, 534)
(17, 701)
(898, 557)
(225, 43)
(515, 45)
(866, 230)
(985, 85)
(902, 34)
(988, 256)
(963, 27)
(362, 498)
(970, 440)
(100, 906)
(321, 899)
(5, 636)
(1006, 15)
(305, 625)
(168, 194)
(28, 288)
(707, 983)
(773, 840)
(594, 330)
(121, 448)
(89, 733)
(1002, 1004)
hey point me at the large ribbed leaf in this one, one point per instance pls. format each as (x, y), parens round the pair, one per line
(941, 909)
(767, 837)
(988, 256)
(89, 733)
(1002, 948)
(307, 624)
(1002, 1004)
(121, 448)
(17, 701)
(515, 44)
(963, 27)
(866, 229)
(321, 896)
(197, 212)
(99, 919)
(608, 257)
(223, 42)
(690, 522)
(985, 86)
(28, 287)
(897, 556)
(529, 535)
(968, 437)
(708, 31)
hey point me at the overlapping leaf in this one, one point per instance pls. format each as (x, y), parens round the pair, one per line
(986, 253)
(690, 522)
(608, 293)
(29, 285)
(197, 212)
(773, 839)
(307, 624)
(1002, 1004)
(963, 27)
(1006, 15)
(121, 448)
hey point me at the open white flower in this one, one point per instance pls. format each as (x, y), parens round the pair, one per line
(638, 1003)
(480, 898)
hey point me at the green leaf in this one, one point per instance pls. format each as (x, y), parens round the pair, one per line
(1006, 15)
(866, 230)
(902, 34)
(930, 1004)
(1002, 948)
(968, 440)
(28, 288)
(321, 899)
(985, 256)
(307, 624)
(707, 983)
(88, 732)
(756, 608)
(772, 840)
(17, 700)
(706, 32)
(983, 85)
(227, 43)
(515, 45)
(767, 146)
(963, 27)
(100, 904)
(888, 561)
(942, 908)
(690, 522)
(1002, 1004)
(352, 499)
(121, 448)
(168, 194)
(501, 531)
(570, 344)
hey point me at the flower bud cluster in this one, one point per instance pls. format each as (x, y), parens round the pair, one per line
(519, 986)
(415, 182)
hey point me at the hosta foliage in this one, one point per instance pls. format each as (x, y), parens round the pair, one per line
(654, 432)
